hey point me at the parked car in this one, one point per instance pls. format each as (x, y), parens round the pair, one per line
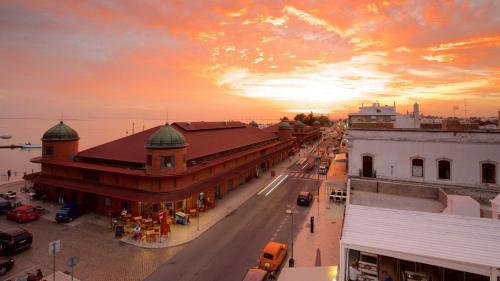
(273, 256)
(5, 206)
(68, 213)
(10, 195)
(23, 213)
(305, 198)
(15, 239)
(6, 263)
(257, 274)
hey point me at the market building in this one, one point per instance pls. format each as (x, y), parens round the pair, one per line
(303, 133)
(173, 167)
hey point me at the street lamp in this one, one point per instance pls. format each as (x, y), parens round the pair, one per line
(291, 261)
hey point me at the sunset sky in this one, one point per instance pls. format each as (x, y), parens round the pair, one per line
(209, 60)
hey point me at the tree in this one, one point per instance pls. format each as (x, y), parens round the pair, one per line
(284, 119)
(300, 117)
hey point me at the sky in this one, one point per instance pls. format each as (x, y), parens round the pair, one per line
(222, 60)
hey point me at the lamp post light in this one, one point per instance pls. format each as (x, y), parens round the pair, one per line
(291, 261)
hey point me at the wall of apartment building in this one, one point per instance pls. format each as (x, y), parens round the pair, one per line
(393, 150)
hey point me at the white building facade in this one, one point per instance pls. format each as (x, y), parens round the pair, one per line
(462, 158)
(384, 117)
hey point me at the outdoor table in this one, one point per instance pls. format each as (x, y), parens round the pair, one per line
(193, 212)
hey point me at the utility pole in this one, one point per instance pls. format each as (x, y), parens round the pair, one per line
(291, 262)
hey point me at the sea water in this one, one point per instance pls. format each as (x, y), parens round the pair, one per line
(92, 132)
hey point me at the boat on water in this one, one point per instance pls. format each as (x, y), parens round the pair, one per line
(30, 145)
(5, 137)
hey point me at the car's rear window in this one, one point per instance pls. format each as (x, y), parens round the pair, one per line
(22, 236)
(268, 256)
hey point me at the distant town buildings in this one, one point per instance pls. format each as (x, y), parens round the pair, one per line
(377, 116)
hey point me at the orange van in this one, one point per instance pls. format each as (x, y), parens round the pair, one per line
(272, 257)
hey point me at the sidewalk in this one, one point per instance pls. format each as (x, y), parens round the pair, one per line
(322, 246)
(182, 234)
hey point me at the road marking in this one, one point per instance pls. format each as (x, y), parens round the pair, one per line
(276, 185)
(270, 184)
(303, 167)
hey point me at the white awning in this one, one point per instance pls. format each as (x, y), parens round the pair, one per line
(457, 242)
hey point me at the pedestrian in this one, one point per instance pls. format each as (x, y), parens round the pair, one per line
(39, 273)
(9, 173)
(386, 276)
(353, 271)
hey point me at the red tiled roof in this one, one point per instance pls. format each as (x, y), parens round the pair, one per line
(199, 126)
(274, 128)
(203, 138)
(142, 172)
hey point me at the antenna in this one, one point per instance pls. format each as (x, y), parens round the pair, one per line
(465, 109)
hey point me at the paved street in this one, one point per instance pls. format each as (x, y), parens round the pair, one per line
(229, 248)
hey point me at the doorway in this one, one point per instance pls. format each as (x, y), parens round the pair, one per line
(367, 166)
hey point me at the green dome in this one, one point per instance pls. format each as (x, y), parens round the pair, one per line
(299, 124)
(60, 132)
(254, 124)
(285, 126)
(316, 122)
(166, 137)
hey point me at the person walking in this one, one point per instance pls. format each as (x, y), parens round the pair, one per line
(9, 173)
(386, 276)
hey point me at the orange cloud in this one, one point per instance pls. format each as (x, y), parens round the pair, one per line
(223, 59)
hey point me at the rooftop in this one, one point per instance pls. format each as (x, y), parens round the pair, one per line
(456, 240)
(204, 139)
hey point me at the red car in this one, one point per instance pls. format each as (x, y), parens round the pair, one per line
(23, 213)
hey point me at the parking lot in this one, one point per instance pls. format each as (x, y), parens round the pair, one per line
(102, 257)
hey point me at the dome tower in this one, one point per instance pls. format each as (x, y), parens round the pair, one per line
(60, 143)
(166, 152)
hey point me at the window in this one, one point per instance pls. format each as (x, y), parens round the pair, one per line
(91, 176)
(268, 256)
(167, 161)
(488, 173)
(149, 160)
(444, 170)
(48, 150)
(367, 166)
(417, 167)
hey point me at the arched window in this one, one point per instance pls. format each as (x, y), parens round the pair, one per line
(488, 173)
(417, 167)
(444, 169)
